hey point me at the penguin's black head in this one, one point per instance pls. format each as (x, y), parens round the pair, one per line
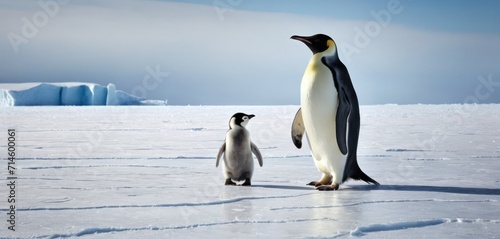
(239, 119)
(317, 43)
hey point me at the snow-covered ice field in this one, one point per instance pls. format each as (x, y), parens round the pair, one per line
(149, 172)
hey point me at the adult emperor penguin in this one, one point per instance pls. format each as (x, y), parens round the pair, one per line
(237, 150)
(329, 115)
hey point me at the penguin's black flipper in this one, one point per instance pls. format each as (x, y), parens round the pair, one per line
(298, 129)
(341, 121)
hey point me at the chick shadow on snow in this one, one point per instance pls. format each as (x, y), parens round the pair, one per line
(422, 188)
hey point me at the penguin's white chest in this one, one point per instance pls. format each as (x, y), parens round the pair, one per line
(318, 92)
(319, 104)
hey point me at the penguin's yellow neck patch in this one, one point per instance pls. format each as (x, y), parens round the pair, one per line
(330, 43)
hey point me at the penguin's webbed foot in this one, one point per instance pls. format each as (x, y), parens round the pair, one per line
(247, 182)
(317, 183)
(314, 183)
(331, 187)
(229, 182)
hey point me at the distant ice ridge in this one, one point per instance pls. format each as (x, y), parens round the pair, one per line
(38, 94)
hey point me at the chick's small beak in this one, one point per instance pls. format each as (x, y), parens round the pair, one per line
(251, 116)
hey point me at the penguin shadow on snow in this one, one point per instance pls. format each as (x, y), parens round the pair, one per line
(422, 188)
(401, 188)
(285, 187)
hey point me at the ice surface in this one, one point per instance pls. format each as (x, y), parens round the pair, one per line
(149, 172)
(71, 93)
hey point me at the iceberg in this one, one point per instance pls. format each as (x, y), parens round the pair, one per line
(78, 94)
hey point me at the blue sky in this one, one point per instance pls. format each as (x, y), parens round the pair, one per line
(239, 52)
(447, 15)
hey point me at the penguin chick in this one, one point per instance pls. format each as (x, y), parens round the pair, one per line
(237, 150)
